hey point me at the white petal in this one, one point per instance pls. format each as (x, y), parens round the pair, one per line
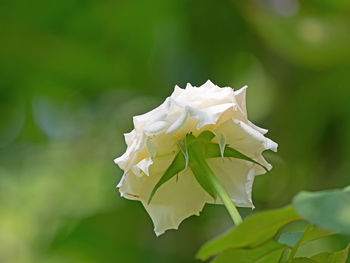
(177, 91)
(123, 160)
(203, 97)
(121, 183)
(130, 137)
(151, 146)
(158, 114)
(259, 129)
(179, 122)
(267, 143)
(240, 96)
(134, 153)
(208, 84)
(205, 116)
(162, 144)
(221, 138)
(209, 115)
(237, 177)
(136, 171)
(144, 165)
(173, 202)
(247, 140)
(155, 127)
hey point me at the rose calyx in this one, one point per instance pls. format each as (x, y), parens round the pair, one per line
(193, 152)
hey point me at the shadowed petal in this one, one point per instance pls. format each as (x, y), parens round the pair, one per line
(247, 140)
(173, 202)
(237, 177)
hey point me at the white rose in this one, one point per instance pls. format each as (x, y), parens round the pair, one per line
(153, 144)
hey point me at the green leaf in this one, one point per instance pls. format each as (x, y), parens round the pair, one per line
(310, 233)
(335, 257)
(246, 255)
(177, 165)
(315, 233)
(272, 257)
(290, 239)
(255, 230)
(327, 209)
(212, 150)
(297, 226)
(303, 260)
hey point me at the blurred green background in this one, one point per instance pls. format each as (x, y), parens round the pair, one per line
(73, 73)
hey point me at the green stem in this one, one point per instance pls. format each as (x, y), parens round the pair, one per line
(225, 198)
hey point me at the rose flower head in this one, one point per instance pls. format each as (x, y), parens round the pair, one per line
(170, 146)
